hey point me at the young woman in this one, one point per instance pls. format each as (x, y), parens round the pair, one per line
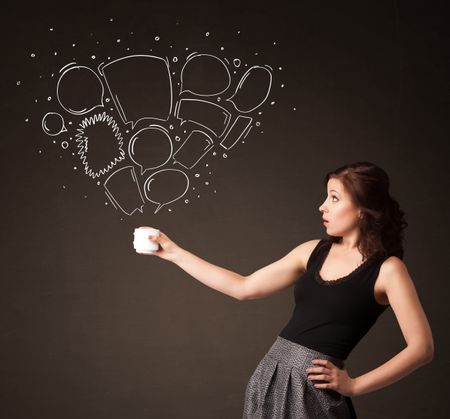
(342, 284)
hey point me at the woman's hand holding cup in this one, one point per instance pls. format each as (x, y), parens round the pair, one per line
(150, 241)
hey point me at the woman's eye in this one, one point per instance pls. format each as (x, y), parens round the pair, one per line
(333, 197)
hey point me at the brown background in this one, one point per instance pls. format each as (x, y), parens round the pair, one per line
(89, 329)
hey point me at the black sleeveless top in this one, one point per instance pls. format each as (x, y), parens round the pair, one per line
(333, 316)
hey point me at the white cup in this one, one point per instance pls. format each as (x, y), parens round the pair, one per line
(142, 244)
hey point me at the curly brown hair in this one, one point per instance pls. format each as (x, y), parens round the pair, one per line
(382, 221)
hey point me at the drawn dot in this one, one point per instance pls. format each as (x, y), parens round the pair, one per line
(198, 196)
(64, 186)
(295, 109)
(26, 119)
(64, 145)
(128, 49)
(85, 196)
(157, 38)
(280, 68)
(206, 183)
(111, 19)
(219, 99)
(197, 175)
(107, 99)
(118, 41)
(259, 113)
(55, 53)
(35, 101)
(73, 45)
(282, 85)
(106, 203)
(256, 53)
(173, 72)
(237, 62)
(170, 126)
(206, 165)
(18, 82)
(258, 124)
(234, 72)
(169, 209)
(52, 74)
(175, 59)
(33, 55)
(193, 188)
(209, 172)
(224, 155)
(274, 43)
(40, 151)
(187, 49)
(214, 153)
(272, 103)
(93, 57)
(49, 98)
(222, 48)
(185, 131)
(98, 182)
(186, 201)
(51, 29)
(238, 31)
(177, 138)
(70, 122)
(74, 167)
(207, 34)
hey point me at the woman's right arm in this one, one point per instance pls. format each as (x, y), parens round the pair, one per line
(262, 283)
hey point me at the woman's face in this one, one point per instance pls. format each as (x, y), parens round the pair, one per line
(338, 209)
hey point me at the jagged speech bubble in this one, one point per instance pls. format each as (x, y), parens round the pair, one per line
(150, 148)
(79, 89)
(165, 186)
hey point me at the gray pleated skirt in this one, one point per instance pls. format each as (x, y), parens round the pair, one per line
(279, 387)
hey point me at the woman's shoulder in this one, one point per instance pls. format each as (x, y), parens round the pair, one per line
(392, 268)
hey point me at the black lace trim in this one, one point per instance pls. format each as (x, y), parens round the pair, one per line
(322, 281)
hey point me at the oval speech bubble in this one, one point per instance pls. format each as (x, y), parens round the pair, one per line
(53, 124)
(79, 90)
(205, 75)
(150, 148)
(165, 186)
(252, 90)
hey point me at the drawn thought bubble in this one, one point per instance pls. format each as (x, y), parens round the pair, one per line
(165, 186)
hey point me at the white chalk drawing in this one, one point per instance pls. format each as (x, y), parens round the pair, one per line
(109, 133)
(150, 148)
(196, 145)
(141, 87)
(253, 89)
(237, 130)
(160, 186)
(122, 189)
(204, 75)
(79, 89)
(53, 124)
(208, 115)
(203, 112)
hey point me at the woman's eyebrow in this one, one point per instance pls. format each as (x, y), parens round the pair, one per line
(332, 190)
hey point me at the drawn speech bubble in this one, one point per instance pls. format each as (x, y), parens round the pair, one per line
(165, 186)
(150, 148)
(205, 75)
(252, 90)
(79, 90)
(53, 124)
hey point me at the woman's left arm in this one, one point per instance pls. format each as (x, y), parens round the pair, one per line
(414, 325)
